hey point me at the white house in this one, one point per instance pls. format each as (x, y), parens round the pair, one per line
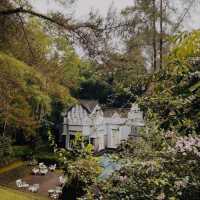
(103, 127)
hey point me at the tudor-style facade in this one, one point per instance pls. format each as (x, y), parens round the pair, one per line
(104, 127)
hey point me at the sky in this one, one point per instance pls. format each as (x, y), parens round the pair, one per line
(82, 7)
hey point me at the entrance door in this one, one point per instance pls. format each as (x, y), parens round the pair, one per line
(115, 138)
(92, 141)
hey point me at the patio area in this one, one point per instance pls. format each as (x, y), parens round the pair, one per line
(46, 182)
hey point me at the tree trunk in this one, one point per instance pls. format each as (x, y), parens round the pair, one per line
(161, 33)
(154, 37)
(4, 127)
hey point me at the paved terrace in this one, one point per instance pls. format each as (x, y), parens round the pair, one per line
(22, 171)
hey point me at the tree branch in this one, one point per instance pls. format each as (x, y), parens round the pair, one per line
(62, 23)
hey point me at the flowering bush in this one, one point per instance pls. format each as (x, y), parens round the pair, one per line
(160, 165)
(169, 175)
(188, 145)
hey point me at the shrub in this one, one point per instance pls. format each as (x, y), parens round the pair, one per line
(6, 151)
(81, 174)
(5, 146)
(168, 171)
(22, 152)
(48, 159)
(158, 165)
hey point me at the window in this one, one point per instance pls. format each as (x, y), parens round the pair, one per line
(133, 130)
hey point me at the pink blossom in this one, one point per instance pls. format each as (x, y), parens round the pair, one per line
(190, 144)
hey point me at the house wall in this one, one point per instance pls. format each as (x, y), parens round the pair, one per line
(103, 132)
(76, 120)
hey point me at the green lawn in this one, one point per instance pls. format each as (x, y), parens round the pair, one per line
(10, 194)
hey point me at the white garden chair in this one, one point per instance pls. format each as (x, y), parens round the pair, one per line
(41, 164)
(35, 171)
(37, 186)
(34, 188)
(52, 167)
(43, 171)
(19, 183)
(31, 188)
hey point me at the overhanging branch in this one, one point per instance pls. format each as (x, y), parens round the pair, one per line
(63, 23)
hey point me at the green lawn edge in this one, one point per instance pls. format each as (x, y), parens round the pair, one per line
(11, 194)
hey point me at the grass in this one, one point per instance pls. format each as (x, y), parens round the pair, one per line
(10, 194)
(11, 166)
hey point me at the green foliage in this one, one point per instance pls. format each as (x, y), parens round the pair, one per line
(79, 148)
(6, 150)
(81, 168)
(152, 179)
(164, 168)
(84, 170)
(149, 143)
(93, 88)
(116, 85)
(25, 99)
(5, 146)
(15, 88)
(37, 69)
(51, 141)
(161, 163)
(47, 158)
(41, 155)
(23, 96)
(81, 175)
(175, 97)
(22, 152)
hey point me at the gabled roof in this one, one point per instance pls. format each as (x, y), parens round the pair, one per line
(109, 112)
(89, 104)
